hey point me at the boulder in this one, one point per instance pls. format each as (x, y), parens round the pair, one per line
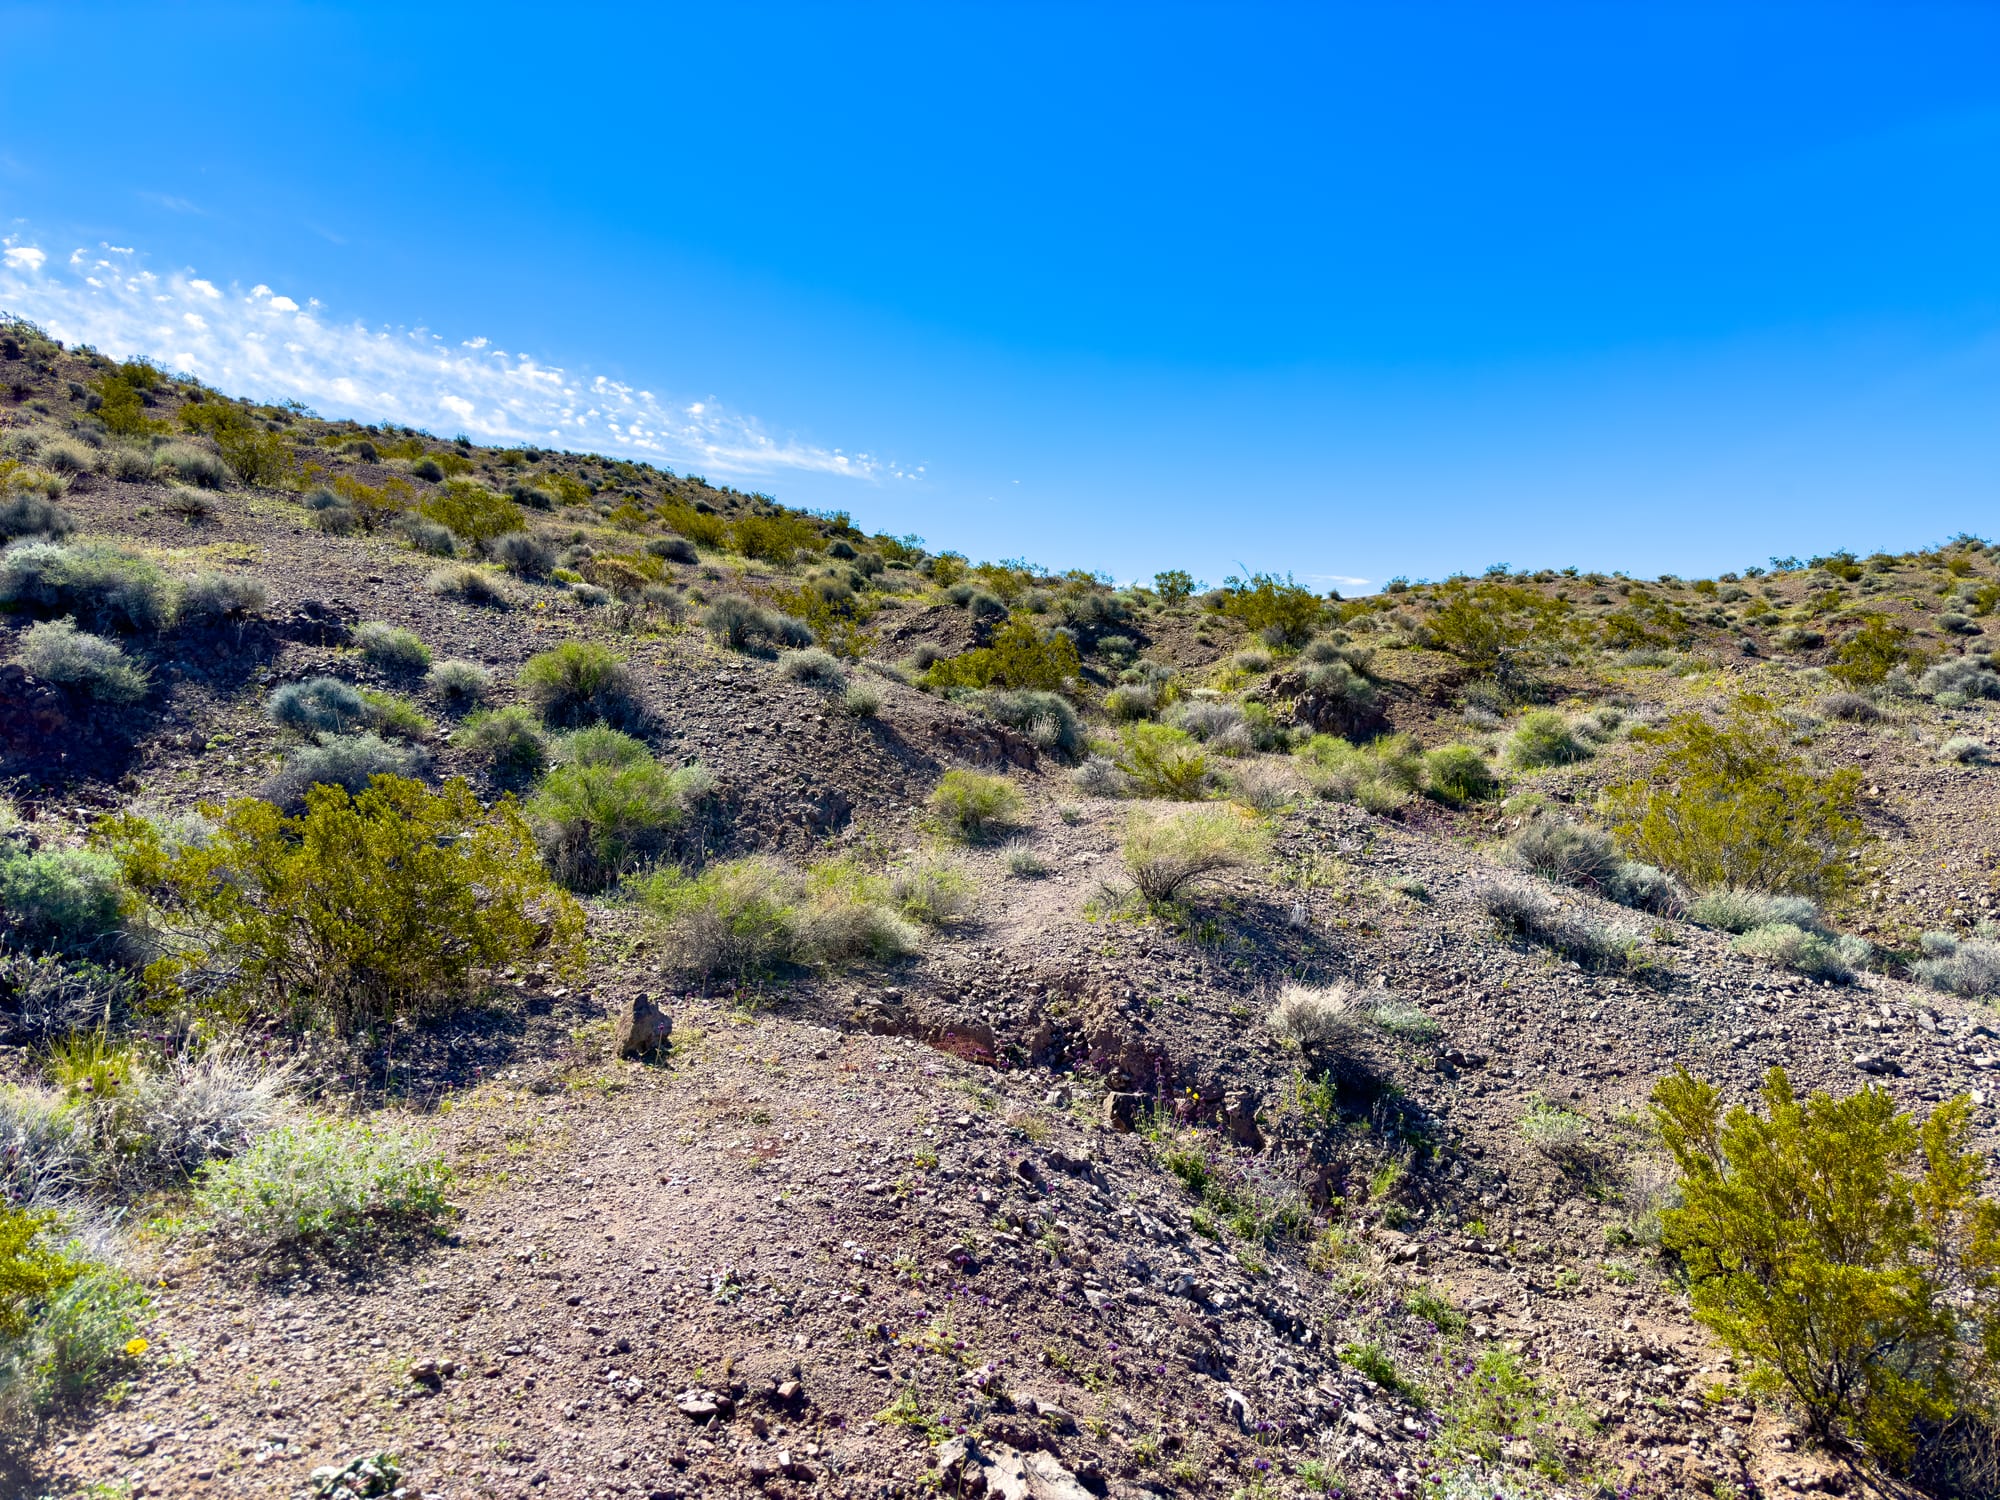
(642, 1027)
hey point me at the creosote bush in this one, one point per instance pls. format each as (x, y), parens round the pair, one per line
(364, 909)
(1732, 804)
(579, 683)
(1168, 854)
(973, 805)
(56, 651)
(1157, 760)
(1840, 1250)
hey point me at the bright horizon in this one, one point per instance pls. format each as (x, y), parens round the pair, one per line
(1333, 291)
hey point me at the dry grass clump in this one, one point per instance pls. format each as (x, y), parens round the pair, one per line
(1169, 854)
(470, 584)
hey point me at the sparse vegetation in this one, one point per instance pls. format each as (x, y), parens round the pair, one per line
(579, 683)
(321, 1182)
(1168, 854)
(598, 818)
(973, 805)
(391, 647)
(56, 651)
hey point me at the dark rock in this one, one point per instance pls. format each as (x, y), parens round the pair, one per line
(642, 1028)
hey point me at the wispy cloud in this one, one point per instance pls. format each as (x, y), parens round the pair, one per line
(274, 346)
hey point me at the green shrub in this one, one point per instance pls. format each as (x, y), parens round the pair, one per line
(321, 1182)
(1544, 738)
(347, 761)
(596, 820)
(1379, 776)
(1167, 854)
(56, 651)
(1017, 657)
(1265, 602)
(935, 892)
(1732, 804)
(473, 512)
(394, 716)
(862, 700)
(1568, 853)
(581, 682)
(521, 554)
(258, 455)
(753, 916)
(1458, 774)
(1839, 1249)
(1871, 653)
(322, 705)
(391, 647)
(62, 900)
(427, 537)
(68, 1323)
(1157, 760)
(102, 586)
(973, 805)
(363, 909)
(508, 741)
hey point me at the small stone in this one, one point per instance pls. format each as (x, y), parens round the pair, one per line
(1121, 1111)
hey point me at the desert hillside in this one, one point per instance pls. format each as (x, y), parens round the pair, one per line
(811, 1013)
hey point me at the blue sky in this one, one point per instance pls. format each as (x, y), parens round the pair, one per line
(1345, 291)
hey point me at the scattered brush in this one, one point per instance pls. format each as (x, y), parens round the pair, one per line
(1521, 910)
(56, 651)
(1168, 854)
(1817, 955)
(1960, 966)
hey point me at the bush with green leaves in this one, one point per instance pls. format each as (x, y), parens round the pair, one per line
(599, 817)
(1840, 1249)
(1168, 854)
(755, 916)
(1458, 774)
(974, 805)
(56, 651)
(582, 682)
(936, 892)
(473, 512)
(1379, 776)
(347, 761)
(69, 1322)
(391, 647)
(29, 515)
(1047, 719)
(191, 465)
(509, 742)
(1732, 803)
(100, 585)
(1157, 760)
(1817, 955)
(1545, 738)
(1960, 966)
(59, 900)
(320, 705)
(322, 1183)
(1017, 657)
(364, 909)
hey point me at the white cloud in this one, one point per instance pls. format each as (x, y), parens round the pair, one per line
(260, 344)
